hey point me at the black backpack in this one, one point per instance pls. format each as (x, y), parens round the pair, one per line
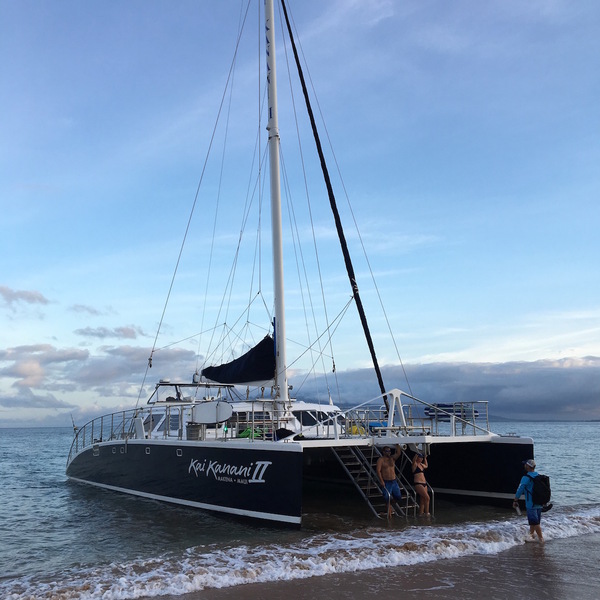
(541, 489)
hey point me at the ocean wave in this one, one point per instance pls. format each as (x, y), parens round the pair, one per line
(324, 553)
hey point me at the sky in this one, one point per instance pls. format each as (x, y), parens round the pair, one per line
(468, 139)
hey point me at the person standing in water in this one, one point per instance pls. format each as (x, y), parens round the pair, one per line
(386, 471)
(419, 464)
(534, 511)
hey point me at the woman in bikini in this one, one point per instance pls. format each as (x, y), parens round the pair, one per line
(419, 464)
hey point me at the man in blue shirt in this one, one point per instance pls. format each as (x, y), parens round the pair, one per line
(534, 511)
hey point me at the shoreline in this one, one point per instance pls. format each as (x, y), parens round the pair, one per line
(529, 571)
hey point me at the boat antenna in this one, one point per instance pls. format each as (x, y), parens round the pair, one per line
(336, 214)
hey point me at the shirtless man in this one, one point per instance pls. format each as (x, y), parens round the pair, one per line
(386, 471)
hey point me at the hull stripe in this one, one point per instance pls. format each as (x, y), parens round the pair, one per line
(474, 493)
(203, 505)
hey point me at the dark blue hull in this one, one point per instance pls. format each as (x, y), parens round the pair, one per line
(486, 472)
(262, 481)
(482, 472)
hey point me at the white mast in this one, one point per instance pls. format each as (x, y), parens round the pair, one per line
(281, 383)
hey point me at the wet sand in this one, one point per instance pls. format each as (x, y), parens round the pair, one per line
(564, 568)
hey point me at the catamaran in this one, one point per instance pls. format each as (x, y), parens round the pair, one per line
(234, 438)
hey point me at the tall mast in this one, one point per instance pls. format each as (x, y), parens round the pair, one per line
(281, 383)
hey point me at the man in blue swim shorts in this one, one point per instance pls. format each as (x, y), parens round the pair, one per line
(386, 471)
(534, 511)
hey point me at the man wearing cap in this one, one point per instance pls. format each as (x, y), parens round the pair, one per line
(534, 511)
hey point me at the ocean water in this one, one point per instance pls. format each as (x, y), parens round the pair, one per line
(63, 540)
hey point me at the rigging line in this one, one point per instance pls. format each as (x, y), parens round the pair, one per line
(303, 347)
(373, 279)
(310, 213)
(228, 290)
(229, 333)
(298, 254)
(224, 343)
(309, 206)
(252, 193)
(250, 196)
(330, 327)
(260, 101)
(302, 273)
(337, 322)
(229, 75)
(257, 262)
(244, 340)
(229, 86)
(148, 365)
(381, 304)
(255, 189)
(210, 355)
(366, 256)
(218, 326)
(333, 327)
(215, 219)
(177, 342)
(349, 266)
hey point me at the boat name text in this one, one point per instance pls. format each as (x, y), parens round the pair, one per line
(252, 473)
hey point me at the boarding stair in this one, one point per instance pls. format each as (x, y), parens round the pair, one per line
(360, 465)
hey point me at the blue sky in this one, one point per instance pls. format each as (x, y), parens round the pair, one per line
(467, 135)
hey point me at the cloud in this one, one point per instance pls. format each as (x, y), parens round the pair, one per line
(561, 389)
(546, 389)
(12, 297)
(82, 308)
(130, 332)
(32, 365)
(119, 370)
(61, 381)
(111, 371)
(28, 398)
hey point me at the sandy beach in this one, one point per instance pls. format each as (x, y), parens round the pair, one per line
(563, 568)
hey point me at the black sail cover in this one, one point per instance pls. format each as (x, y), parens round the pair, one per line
(258, 364)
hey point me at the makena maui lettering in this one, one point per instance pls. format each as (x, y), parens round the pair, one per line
(253, 473)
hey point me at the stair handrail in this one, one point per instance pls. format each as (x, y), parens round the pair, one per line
(400, 478)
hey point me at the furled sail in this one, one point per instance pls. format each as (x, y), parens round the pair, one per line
(258, 364)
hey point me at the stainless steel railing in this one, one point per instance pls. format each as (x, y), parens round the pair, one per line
(407, 416)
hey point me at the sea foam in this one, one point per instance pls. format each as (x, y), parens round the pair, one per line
(324, 553)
